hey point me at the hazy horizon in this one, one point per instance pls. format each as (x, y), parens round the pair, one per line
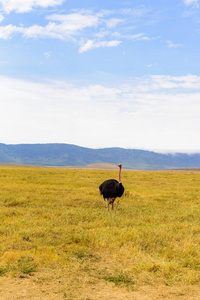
(161, 151)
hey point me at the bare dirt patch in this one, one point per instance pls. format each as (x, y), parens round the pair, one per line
(25, 288)
(32, 288)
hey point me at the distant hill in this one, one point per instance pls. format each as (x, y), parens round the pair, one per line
(101, 166)
(72, 155)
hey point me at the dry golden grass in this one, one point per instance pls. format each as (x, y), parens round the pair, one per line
(55, 226)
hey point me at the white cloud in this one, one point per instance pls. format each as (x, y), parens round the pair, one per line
(170, 44)
(103, 33)
(91, 45)
(140, 37)
(75, 22)
(189, 2)
(7, 31)
(21, 6)
(36, 31)
(159, 117)
(66, 26)
(81, 25)
(113, 22)
(157, 82)
(167, 84)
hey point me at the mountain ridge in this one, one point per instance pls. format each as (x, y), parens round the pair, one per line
(60, 154)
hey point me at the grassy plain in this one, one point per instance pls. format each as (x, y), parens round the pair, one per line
(55, 230)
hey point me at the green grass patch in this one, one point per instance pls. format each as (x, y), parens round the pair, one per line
(26, 265)
(121, 279)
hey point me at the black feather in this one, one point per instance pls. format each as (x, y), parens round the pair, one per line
(111, 188)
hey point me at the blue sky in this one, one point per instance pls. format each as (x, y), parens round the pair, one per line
(101, 73)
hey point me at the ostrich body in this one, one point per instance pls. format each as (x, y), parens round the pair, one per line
(111, 189)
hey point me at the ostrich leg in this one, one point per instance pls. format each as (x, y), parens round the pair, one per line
(107, 202)
(113, 203)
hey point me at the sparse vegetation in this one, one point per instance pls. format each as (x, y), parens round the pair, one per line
(119, 279)
(54, 222)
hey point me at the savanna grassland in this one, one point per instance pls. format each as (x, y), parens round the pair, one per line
(58, 241)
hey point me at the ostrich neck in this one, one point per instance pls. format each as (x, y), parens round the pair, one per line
(120, 175)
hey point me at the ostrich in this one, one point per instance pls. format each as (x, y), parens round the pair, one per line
(111, 189)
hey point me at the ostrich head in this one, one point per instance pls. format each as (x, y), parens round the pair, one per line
(120, 167)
